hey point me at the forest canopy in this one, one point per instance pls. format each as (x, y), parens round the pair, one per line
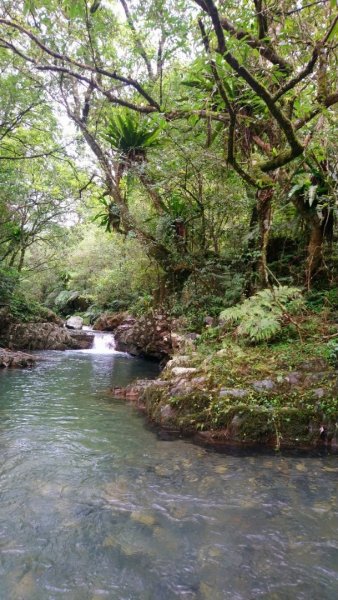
(176, 151)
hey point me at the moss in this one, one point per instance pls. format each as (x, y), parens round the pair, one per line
(291, 411)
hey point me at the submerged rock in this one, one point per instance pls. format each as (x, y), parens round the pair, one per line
(15, 360)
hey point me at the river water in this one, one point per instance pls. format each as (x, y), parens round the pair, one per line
(95, 505)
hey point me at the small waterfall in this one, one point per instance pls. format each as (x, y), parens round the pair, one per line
(104, 343)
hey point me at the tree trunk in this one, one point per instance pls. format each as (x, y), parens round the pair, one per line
(22, 258)
(251, 253)
(314, 259)
(264, 211)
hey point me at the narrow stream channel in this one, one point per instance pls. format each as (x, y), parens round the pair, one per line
(95, 505)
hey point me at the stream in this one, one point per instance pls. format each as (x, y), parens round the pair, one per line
(95, 504)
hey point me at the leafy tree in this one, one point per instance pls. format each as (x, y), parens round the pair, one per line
(202, 117)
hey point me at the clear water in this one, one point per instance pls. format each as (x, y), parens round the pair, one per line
(94, 505)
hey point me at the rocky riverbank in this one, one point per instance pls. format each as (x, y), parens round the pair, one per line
(278, 395)
(15, 360)
(149, 336)
(41, 335)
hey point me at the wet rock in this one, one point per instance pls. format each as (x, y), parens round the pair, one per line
(133, 393)
(15, 360)
(118, 392)
(143, 518)
(233, 392)
(263, 384)
(83, 339)
(74, 322)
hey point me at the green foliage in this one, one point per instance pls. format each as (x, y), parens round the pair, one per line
(142, 306)
(206, 292)
(8, 282)
(20, 307)
(317, 300)
(331, 351)
(260, 318)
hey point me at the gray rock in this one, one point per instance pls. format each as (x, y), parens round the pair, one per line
(209, 321)
(263, 384)
(317, 364)
(167, 413)
(180, 360)
(319, 393)
(318, 377)
(180, 371)
(233, 392)
(74, 323)
(198, 380)
(293, 378)
(39, 336)
(149, 337)
(83, 339)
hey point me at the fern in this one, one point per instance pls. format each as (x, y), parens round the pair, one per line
(131, 135)
(260, 317)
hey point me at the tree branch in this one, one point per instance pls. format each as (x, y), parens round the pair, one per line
(138, 41)
(83, 66)
(265, 49)
(261, 91)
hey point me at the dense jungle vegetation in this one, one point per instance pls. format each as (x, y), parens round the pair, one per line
(176, 153)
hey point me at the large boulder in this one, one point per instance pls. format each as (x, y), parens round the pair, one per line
(74, 323)
(39, 336)
(9, 359)
(147, 337)
(109, 321)
(68, 302)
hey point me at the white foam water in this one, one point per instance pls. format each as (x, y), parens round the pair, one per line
(103, 343)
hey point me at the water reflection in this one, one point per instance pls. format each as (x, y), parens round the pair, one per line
(95, 505)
